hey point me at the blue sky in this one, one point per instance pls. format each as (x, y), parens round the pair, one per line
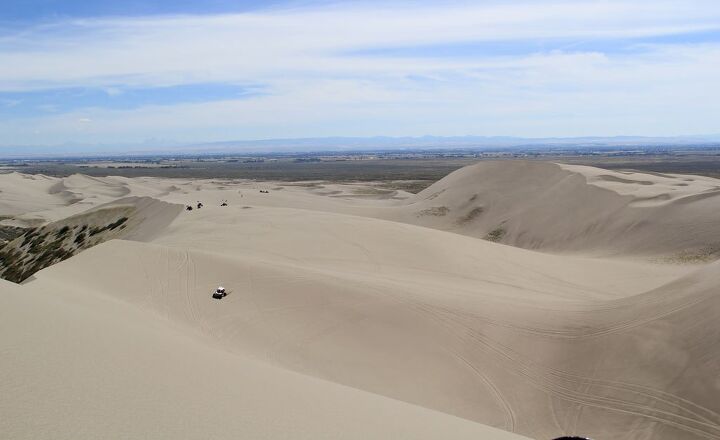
(75, 71)
(33, 10)
(63, 100)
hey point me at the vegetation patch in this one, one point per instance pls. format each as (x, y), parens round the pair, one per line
(9, 233)
(117, 223)
(436, 211)
(496, 234)
(37, 248)
(471, 215)
(695, 256)
(80, 238)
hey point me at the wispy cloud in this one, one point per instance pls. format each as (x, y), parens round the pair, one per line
(524, 68)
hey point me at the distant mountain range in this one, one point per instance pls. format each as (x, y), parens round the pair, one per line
(340, 144)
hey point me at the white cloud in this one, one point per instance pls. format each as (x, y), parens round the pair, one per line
(244, 47)
(316, 89)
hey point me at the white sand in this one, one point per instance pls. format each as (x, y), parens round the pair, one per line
(321, 283)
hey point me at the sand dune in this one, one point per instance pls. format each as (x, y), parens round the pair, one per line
(491, 336)
(22, 194)
(323, 284)
(36, 248)
(539, 205)
(77, 365)
(37, 199)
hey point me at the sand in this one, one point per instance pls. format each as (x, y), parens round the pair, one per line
(574, 209)
(77, 365)
(380, 316)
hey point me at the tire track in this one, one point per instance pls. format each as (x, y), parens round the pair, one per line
(510, 416)
(550, 385)
(647, 392)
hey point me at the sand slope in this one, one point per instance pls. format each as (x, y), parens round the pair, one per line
(538, 344)
(76, 365)
(131, 218)
(416, 309)
(38, 199)
(539, 205)
(21, 194)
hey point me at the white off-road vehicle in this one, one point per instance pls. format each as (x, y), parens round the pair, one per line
(219, 293)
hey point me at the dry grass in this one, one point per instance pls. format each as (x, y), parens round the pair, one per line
(471, 215)
(695, 256)
(436, 211)
(496, 234)
(37, 248)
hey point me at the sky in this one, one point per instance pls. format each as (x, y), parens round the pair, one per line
(85, 71)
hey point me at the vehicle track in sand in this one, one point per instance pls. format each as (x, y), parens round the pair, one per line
(648, 392)
(664, 407)
(710, 415)
(426, 310)
(469, 344)
(561, 385)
